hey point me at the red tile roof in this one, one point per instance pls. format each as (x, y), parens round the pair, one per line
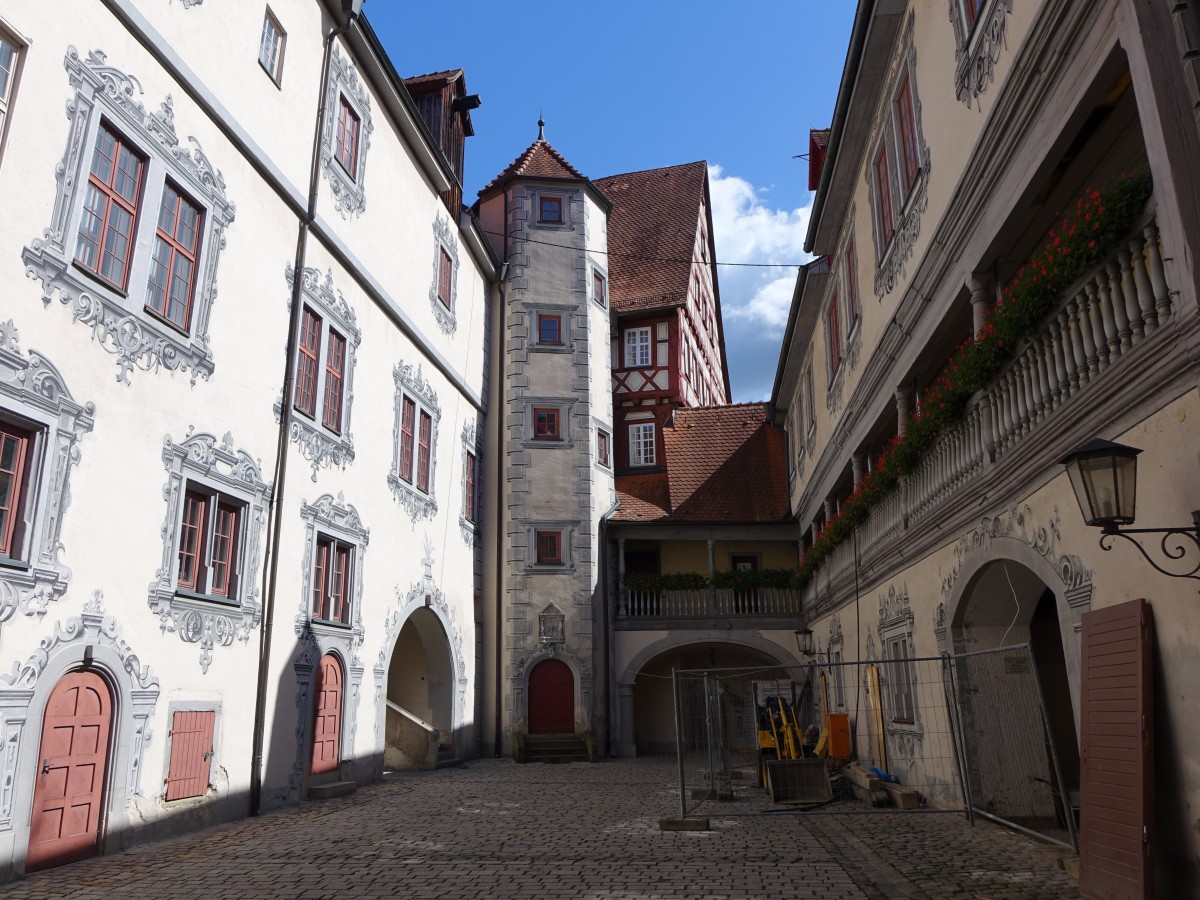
(443, 77)
(652, 234)
(724, 464)
(539, 160)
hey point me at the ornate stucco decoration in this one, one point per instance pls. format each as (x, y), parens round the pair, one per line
(443, 239)
(907, 225)
(551, 627)
(977, 52)
(417, 503)
(348, 188)
(470, 444)
(835, 629)
(118, 322)
(833, 396)
(317, 444)
(939, 622)
(217, 465)
(895, 609)
(335, 517)
(1018, 524)
(34, 389)
(94, 627)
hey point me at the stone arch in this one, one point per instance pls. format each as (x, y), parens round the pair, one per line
(93, 641)
(743, 639)
(424, 594)
(580, 672)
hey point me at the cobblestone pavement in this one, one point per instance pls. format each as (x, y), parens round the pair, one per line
(495, 829)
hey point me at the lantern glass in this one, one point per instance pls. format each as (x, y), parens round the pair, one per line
(1104, 477)
(804, 641)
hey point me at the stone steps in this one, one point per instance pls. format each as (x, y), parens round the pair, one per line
(556, 748)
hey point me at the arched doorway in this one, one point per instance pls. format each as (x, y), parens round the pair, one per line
(327, 719)
(420, 694)
(69, 794)
(1008, 743)
(654, 699)
(551, 698)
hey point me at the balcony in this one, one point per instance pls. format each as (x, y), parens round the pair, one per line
(709, 603)
(1099, 349)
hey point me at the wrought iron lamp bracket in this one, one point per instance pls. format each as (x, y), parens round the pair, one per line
(1178, 545)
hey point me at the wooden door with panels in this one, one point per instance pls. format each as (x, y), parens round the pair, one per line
(327, 720)
(551, 698)
(68, 798)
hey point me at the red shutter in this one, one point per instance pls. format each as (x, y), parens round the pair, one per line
(445, 275)
(423, 451)
(469, 503)
(306, 363)
(335, 367)
(407, 419)
(192, 534)
(191, 754)
(883, 197)
(908, 135)
(13, 449)
(320, 601)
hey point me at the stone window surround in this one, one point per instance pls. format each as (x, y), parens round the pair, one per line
(216, 466)
(892, 255)
(896, 621)
(33, 393)
(470, 444)
(411, 383)
(317, 444)
(602, 274)
(604, 428)
(566, 529)
(349, 194)
(565, 197)
(565, 437)
(566, 332)
(977, 51)
(443, 239)
(117, 318)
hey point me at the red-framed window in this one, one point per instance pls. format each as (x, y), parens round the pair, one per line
(173, 268)
(603, 448)
(550, 210)
(335, 374)
(445, 277)
(408, 423)
(469, 488)
(546, 424)
(346, 138)
(549, 329)
(833, 335)
(306, 362)
(883, 196)
(209, 535)
(191, 754)
(14, 461)
(110, 208)
(906, 125)
(332, 573)
(549, 548)
(599, 288)
(423, 443)
(853, 309)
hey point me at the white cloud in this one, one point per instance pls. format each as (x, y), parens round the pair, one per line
(746, 230)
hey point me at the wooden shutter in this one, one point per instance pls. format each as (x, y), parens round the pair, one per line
(1117, 753)
(191, 754)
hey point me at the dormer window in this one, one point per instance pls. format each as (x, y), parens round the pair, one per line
(550, 210)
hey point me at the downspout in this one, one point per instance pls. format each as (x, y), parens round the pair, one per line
(500, 413)
(606, 622)
(271, 574)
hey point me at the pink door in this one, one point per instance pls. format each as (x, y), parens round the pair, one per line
(69, 793)
(551, 698)
(327, 724)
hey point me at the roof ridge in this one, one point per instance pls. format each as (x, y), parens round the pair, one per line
(703, 162)
(517, 167)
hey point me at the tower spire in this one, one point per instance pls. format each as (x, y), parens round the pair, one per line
(541, 127)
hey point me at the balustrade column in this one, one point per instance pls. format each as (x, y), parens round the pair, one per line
(1079, 370)
(1041, 376)
(1096, 319)
(1119, 309)
(1082, 302)
(1137, 247)
(1158, 278)
(1111, 334)
(1129, 291)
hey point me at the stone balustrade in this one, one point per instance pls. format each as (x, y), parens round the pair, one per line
(707, 603)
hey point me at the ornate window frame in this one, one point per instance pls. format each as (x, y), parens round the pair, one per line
(977, 47)
(471, 444)
(565, 437)
(563, 312)
(836, 660)
(896, 621)
(117, 318)
(318, 444)
(443, 240)
(220, 467)
(893, 251)
(349, 190)
(411, 383)
(33, 391)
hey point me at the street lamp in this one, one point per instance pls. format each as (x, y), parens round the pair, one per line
(1104, 477)
(804, 641)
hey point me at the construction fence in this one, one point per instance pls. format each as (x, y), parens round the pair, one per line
(964, 733)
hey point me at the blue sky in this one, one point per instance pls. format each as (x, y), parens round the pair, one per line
(625, 86)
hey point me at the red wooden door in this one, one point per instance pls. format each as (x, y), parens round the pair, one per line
(69, 794)
(1117, 758)
(551, 698)
(327, 723)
